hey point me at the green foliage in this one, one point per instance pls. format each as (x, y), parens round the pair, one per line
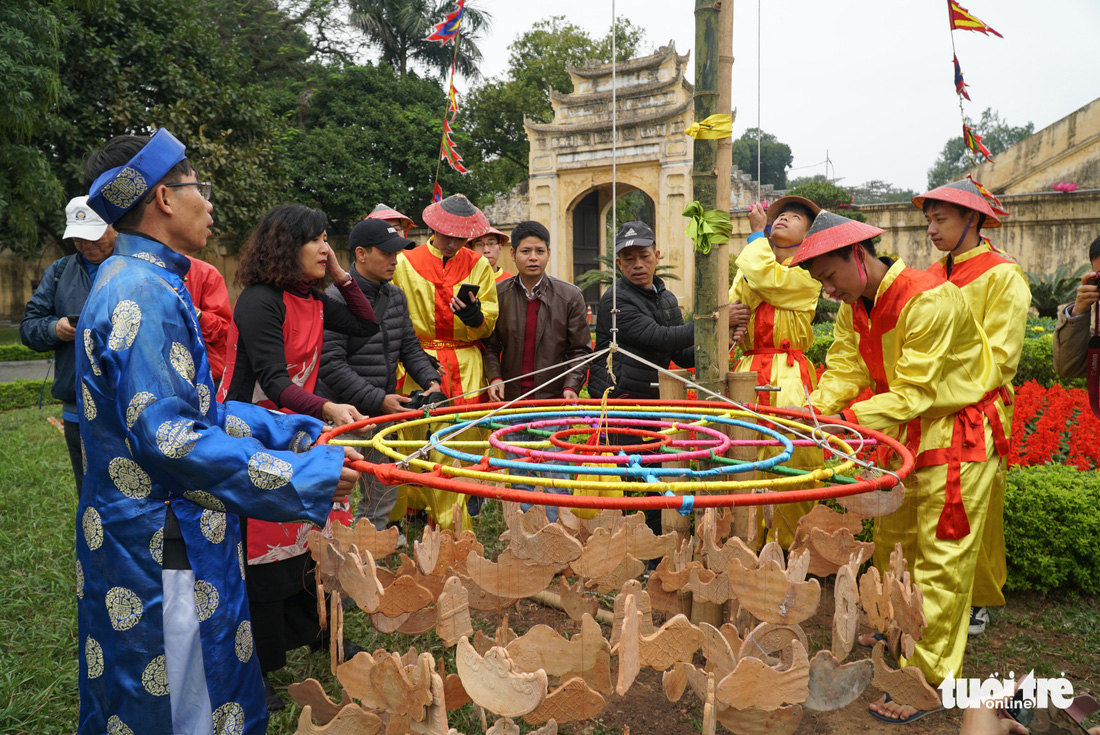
(1050, 290)
(826, 311)
(399, 29)
(775, 157)
(606, 274)
(30, 83)
(825, 195)
(879, 192)
(1037, 363)
(955, 159)
(24, 394)
(17, 352)
(1052, 522)
(369, 136)
(538, 65)
(820, 348)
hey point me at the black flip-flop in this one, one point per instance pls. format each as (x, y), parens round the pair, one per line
(911, 718)
(877, 636)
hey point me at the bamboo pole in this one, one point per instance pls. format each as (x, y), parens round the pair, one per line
(711, 188)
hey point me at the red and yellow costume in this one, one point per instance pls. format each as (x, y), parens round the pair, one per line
(783, 301)
(999, 297)
(937, 387)
(500, 274)
(429, 284)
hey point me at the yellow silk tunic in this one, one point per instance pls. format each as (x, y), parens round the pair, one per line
(999, 297)
(429, 284)
(936, 383)
(783, 301)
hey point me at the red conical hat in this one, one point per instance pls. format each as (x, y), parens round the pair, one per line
(456, 216)
(504, 239)
(964, 194)
(831, 232)
(384, 211)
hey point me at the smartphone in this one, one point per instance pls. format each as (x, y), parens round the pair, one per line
(1020, 709)
(466, 290)
(72, 319)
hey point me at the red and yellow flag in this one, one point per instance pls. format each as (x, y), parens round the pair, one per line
(448, 153)
(974, 143)
(961, 19)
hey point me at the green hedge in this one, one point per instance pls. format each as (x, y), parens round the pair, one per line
(24, 394)
(16, 352)
(1052, 526)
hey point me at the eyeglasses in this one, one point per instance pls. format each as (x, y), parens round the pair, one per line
(205, 189)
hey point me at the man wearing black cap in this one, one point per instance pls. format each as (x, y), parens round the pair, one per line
(363, 372)
(649, 322)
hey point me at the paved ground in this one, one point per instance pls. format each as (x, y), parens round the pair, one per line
(24, 370)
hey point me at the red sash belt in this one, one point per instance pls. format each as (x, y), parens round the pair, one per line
(967, 445)
(762, 364)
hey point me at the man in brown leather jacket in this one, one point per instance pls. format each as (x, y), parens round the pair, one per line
(542, 323)
(1071, 336)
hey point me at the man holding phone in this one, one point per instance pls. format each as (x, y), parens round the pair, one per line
(453, 305)
(49, 319)
(1071, 336)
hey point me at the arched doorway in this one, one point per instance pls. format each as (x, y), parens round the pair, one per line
(594, 228)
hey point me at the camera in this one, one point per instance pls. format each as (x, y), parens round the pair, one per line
(418, 399)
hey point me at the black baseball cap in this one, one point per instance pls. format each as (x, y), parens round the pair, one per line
(378, 233)
(634, 235)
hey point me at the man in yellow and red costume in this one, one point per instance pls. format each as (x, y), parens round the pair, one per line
(432, 276)
(911, 337)
(779, 301)
(999, 297)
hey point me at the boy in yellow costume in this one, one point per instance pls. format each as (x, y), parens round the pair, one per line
(999, 298)
(782, 301)
(911, 337)
(449, 328)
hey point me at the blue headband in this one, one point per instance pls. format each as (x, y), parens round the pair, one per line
(116, 191)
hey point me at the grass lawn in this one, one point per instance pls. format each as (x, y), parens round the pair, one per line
(38, 664)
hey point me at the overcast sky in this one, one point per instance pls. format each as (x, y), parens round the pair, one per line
(869, 81)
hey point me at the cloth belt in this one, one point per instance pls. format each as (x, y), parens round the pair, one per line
(967, 445)
(445, 344)
(785, 349)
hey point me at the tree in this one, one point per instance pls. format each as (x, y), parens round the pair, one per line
(370, 136)
(398, 28)
(775, 157)
(955, 160)
(879, 192)
(825, 195)
(30, 83)
(538, 64)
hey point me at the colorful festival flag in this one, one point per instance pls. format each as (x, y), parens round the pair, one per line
(962, 20)
(974, 143)
(960, 85)
(452, 95)
(994, 202)
(448, 153)
(437, 193)
(448, 29)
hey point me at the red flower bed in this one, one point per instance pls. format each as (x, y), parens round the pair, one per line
(1054, 425)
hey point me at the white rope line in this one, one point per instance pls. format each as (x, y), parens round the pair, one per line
(815, 436)
(476, 391)
(426, 450)
(614, 183)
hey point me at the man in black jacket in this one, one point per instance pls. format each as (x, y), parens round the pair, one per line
(49, 320)
(649, 322)
(363, 372)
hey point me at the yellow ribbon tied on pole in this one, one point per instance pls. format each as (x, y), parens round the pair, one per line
(707, 228)
(715, 126)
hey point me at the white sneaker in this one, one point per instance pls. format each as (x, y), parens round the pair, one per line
(979, 618)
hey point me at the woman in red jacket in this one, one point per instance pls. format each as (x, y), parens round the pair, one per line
(272, 360)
